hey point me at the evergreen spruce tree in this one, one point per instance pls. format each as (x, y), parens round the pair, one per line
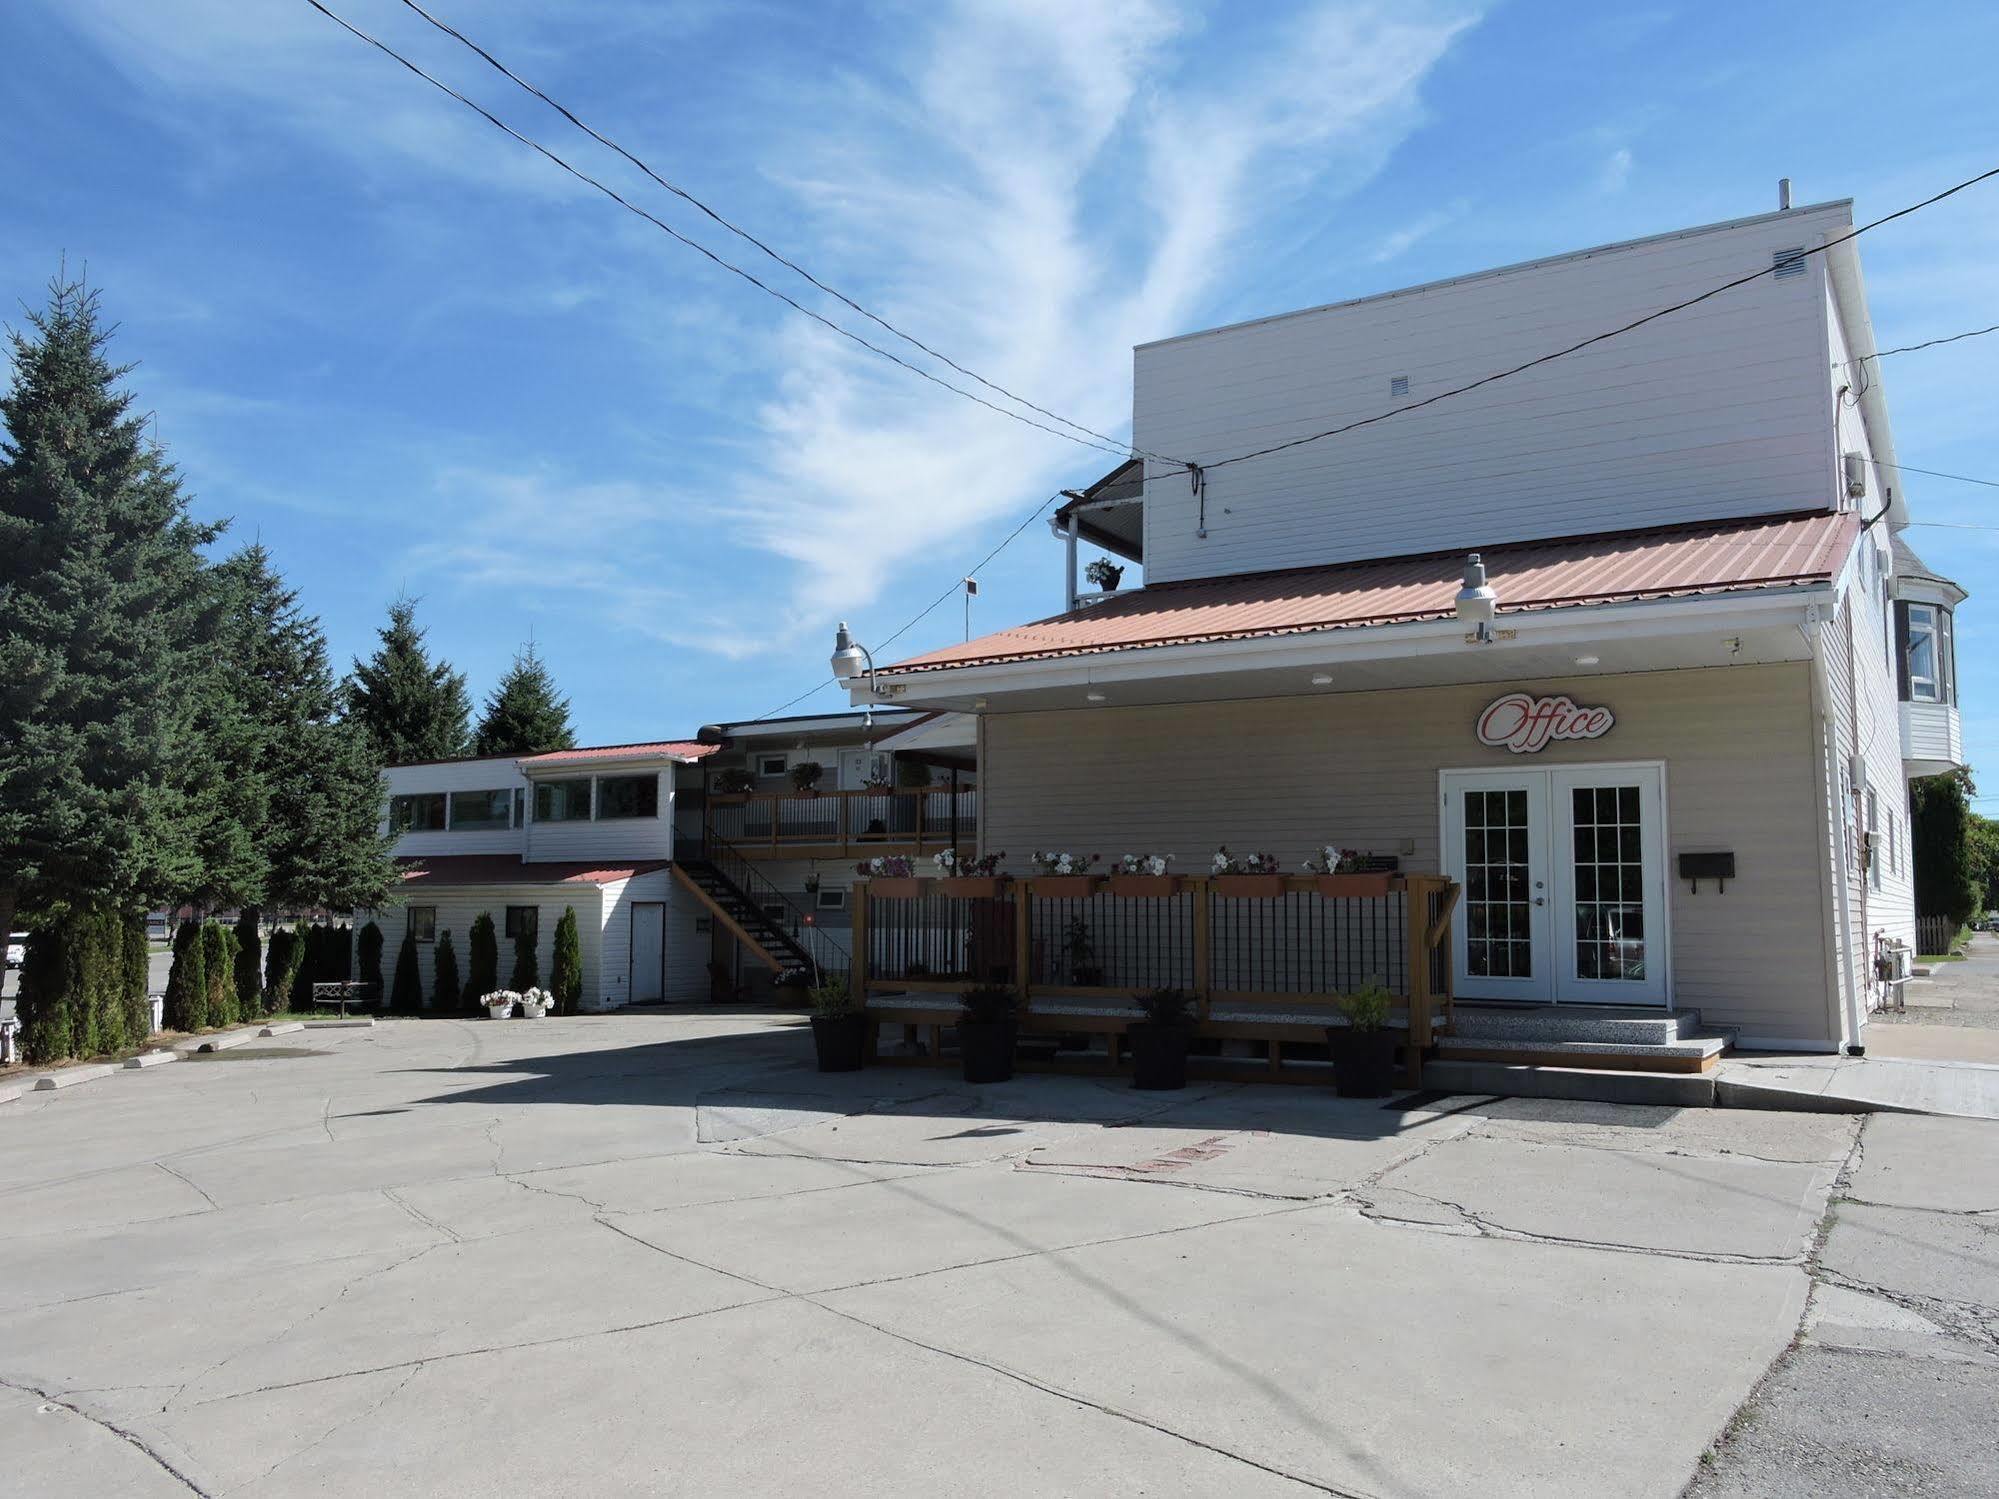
(411, 707)
(565, 972)
(527, 967)
(482, 973)
(369, 952)
(525, 715)
(186, 1007)
(102, 605)
(444, 986)
(408, 991)
(249, 966)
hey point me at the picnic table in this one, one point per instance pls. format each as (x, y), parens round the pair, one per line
(342, 992)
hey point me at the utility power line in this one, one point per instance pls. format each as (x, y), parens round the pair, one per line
(743, 234)
(1119, 451)
(1932, 343)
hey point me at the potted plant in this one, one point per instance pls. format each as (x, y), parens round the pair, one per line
(1079, 955)
(839, 1026)
(1059, 875)
(1363, 1049)
(805, 777)
(1105, 573)
(890, 876)
(1143, 875)
(734, 781)
(1340, 872)
(988, 1021)
(535, 1003)
(1159, 1042)
(969, 879)
(1246, 876)
(500, 1003)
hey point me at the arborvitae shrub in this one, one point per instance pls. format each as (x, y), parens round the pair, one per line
(187, 985)
(408, 991)
(565, 972)
(482, 974)
(444, 987)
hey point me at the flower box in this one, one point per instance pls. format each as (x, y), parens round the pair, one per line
(1353, 886)
(1064, 886)
(894, 886)
(972, 887)
(1145, 886)
(1248, 886)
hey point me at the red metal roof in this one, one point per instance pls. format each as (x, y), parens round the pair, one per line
(1661, 563)
(679, 749)
(507, 869)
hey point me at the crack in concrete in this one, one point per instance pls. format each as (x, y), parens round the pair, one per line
(187, 1181)
(124, 1434)
(422, 1217)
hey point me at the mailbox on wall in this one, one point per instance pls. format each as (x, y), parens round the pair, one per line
(1719, 867)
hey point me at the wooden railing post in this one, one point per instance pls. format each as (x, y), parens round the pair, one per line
(1417, 911)
(1204, 982)
(1023, 935)
(921, 798)
(857, 977)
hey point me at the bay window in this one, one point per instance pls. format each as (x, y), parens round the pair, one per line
(1927, 668)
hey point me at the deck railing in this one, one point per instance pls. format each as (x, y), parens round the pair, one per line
(1246, 959)
(835, 824)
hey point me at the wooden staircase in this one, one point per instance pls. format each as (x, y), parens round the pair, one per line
(730, 904)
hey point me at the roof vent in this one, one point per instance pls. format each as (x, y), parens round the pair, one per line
(1785, 264)
(1398, 385)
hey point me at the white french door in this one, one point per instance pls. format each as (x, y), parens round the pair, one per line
(1564, 883)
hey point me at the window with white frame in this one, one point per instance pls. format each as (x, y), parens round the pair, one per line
(773, 765)
(1876, 854)
(830, 900)
(562, 801)
(422, 812)
(627, 796)
(481, 811)
(1928, 664)
(423, 923)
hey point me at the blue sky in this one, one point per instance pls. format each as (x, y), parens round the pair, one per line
(408, 354)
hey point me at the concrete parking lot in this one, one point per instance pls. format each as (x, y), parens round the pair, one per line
(651, 1255)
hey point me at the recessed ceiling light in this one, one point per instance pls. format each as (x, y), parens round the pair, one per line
(1587, 660)
(1322, 679)
(1095, 697)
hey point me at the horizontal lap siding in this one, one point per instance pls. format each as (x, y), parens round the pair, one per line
(614, 840)
(1717, 411)
(1283, 775)
(458, 907)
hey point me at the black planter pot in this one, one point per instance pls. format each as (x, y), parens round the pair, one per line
(1158, 1056)
(1363, 1062)
(841, 1040)
(985, 1050)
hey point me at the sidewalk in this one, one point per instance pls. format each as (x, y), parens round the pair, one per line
(1938, 1056)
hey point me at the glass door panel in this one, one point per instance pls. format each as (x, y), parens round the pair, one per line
(1609, 918)
(1496, 839)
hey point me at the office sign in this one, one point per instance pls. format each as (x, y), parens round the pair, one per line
(1525, 724)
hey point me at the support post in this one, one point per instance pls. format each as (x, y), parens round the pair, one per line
(1204, 982)
(857, 977)
(1417, 913)
(1023, 935)
(1069, 542)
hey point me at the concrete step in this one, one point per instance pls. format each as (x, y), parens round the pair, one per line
(1640, 1056)
(1625, 1025)
(1594, 1084)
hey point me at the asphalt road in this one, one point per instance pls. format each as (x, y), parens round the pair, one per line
(156, 974)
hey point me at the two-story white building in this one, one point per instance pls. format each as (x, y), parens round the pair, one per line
(1662, 760)
(698, 869)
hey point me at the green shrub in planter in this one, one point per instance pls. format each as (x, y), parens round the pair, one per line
(988, 1023)
(1159, 1042)
(1363, 1049)
(839, 1025)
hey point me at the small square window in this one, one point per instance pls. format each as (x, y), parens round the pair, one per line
(523, 918)
(831, 900)
(773, 765)
(423, 923)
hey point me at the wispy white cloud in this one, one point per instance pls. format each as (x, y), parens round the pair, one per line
(1615, 172)
(1399, 242)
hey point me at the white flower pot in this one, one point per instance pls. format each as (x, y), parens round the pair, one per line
(533, 1012)
(499, 1012)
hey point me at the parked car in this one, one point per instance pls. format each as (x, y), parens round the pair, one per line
(17, 949)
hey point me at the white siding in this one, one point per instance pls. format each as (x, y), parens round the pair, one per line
(448, 776)
(1361, 770)
(1932, 732)
(457, 908)
(1718, 411)
(688, 950)
(615, 840)
(615, 985)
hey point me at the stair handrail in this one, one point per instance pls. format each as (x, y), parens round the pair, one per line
(741, 872)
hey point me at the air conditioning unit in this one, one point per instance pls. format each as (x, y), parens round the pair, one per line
(1856, 475)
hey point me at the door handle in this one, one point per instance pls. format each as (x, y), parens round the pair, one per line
(1540, 900)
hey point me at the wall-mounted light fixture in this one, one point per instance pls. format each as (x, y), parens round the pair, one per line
(1093, 696)
(1477, 603)
(1322, 679)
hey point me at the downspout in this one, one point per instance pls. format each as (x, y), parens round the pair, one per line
(1833, 884)
(1069, 539)
(1856, 1002)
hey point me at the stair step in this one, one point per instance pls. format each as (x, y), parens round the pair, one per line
(1686, 1048)
(1594, 1084)
(1572, 1023)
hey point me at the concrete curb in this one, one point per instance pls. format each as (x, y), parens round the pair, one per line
(283, 1029)
(151, 1059)
(12, 1091)
(1733, 1093)
(69, 1077)
(222, 1042)
(362, 1023)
